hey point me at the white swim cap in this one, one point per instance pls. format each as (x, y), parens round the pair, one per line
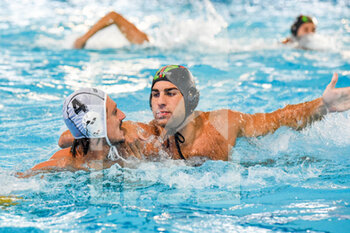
(84, 113)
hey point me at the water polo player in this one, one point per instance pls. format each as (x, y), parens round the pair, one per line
(185, 134)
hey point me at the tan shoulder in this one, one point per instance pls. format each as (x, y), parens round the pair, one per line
(64, 153)
(225, 119)
(61, 159)
(221, 114)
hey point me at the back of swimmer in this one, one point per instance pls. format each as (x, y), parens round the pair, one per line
(302, 27)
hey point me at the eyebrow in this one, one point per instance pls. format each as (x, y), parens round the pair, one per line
(167, 89)
(171, 89)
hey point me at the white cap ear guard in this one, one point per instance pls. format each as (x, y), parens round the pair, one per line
(84, 112)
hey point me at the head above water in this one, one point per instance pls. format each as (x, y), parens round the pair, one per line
(303, 25)
(183, 80)
(88, 111)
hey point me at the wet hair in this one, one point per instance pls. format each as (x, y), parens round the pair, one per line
(301, 19)
(83, 142)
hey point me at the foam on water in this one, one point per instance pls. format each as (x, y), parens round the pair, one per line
(69, 220)
(11, 185)
(200, 32)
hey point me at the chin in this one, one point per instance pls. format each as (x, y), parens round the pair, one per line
(119, 141)
(162, 122)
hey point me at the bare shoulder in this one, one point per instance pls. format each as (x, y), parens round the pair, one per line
(60, 160)
(222, 114)
(64, 153)
(225, 119)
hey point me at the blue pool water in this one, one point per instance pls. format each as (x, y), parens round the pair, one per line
(284, 182)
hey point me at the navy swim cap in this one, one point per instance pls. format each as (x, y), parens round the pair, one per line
(84, 113)
(301, 19)
(182, 78)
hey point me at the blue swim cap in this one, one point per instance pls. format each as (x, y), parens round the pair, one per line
(84, 112)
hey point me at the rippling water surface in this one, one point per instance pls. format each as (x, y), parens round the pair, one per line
(285, 182)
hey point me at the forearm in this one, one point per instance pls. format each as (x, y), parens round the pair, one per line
(61, 160)
(106, 21)
(295, 116)
(129, 30)
(46, 166)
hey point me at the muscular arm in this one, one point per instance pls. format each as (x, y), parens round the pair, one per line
(295, 116)
(231, 124)
(61, 160)
(141, 140)
(129, 30)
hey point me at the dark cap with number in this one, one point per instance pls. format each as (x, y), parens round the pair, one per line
(84, 112)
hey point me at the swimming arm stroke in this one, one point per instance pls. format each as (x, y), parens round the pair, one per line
(129, 30)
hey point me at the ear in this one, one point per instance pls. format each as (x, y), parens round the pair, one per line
(193, 98)
(150, 101)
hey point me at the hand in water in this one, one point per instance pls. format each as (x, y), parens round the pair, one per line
(134, 139)
(336, 99)
(79, 43)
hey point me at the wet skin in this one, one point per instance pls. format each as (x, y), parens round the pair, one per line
(114, 118)
(305, 29)
(168, 105)
(213, 134)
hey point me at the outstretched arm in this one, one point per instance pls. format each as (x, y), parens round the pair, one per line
(129, 30)
(61, 160)
(295, 116)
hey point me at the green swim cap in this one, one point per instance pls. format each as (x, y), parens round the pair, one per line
(300, 20)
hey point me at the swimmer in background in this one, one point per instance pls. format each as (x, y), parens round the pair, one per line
(303, 26)
(187, 134)
(129, 30)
